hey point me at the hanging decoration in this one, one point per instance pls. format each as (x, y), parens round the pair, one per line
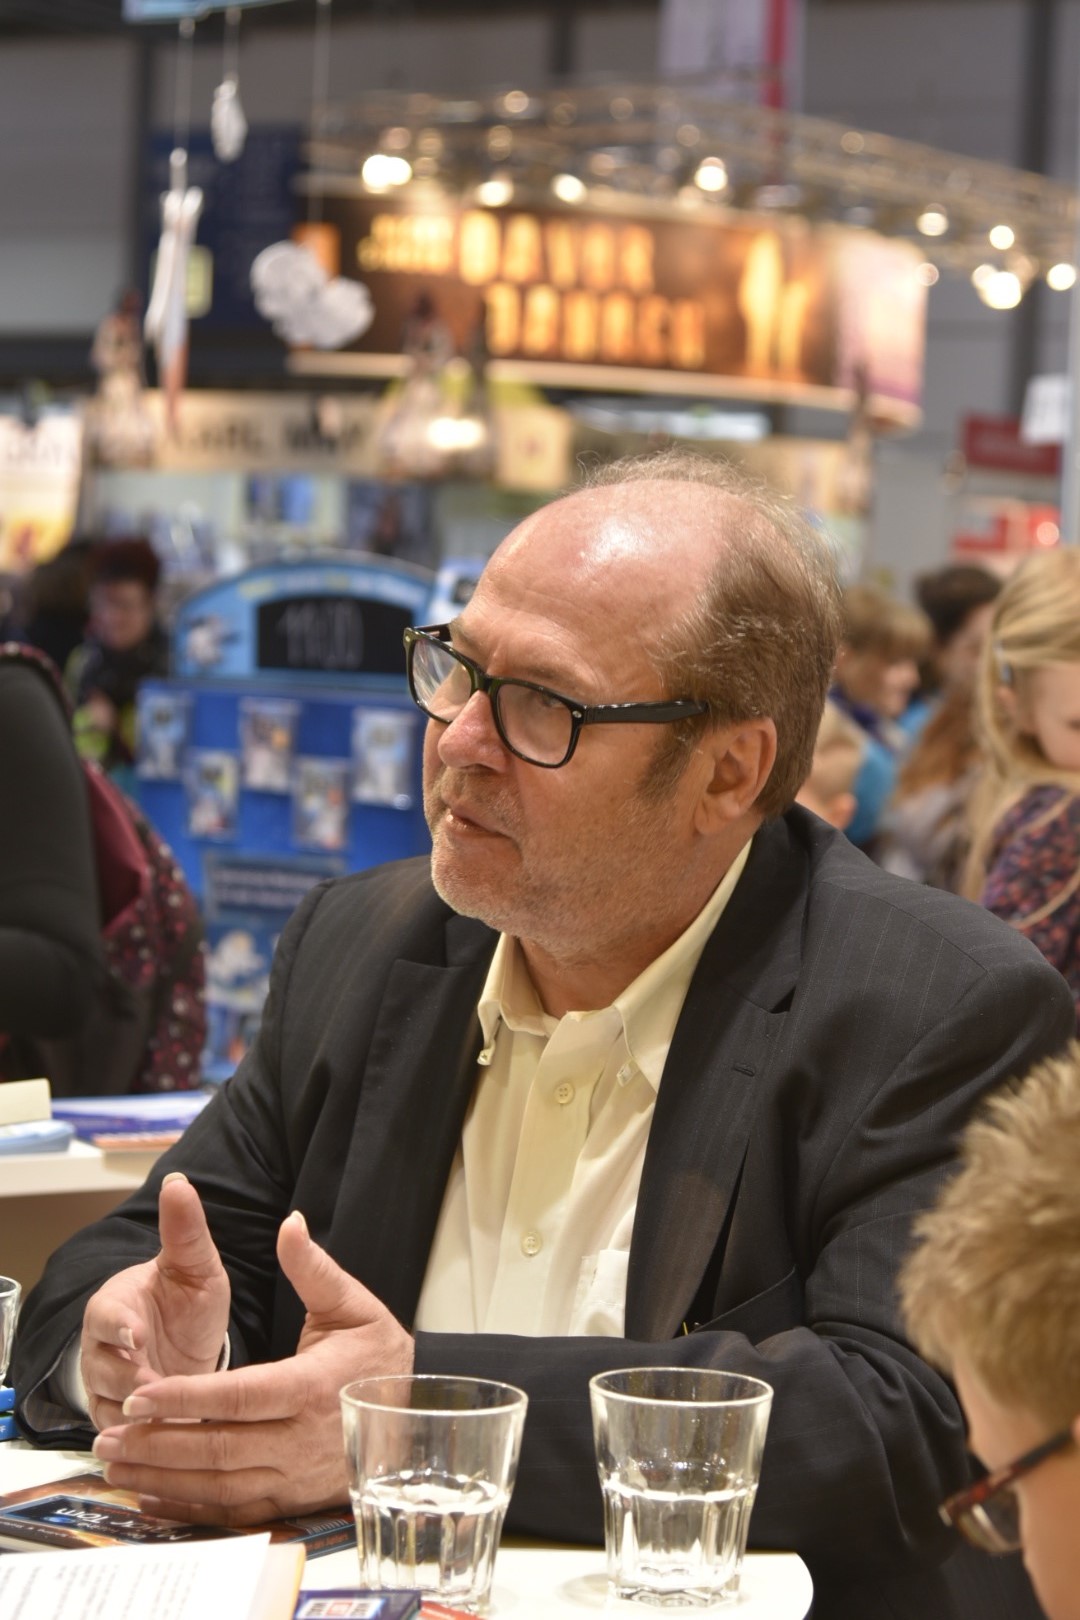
(166, 323)
(228, 125)
(305, 301)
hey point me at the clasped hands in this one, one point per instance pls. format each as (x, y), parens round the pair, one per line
(227, 1447)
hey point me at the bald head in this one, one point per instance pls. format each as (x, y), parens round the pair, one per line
(643, 553)
(723, 583)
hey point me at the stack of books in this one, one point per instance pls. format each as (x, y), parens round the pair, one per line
(27, 1124)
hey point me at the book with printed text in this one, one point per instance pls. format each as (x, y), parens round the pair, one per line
(84, 1511)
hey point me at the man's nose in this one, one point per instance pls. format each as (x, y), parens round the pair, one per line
(472, 737)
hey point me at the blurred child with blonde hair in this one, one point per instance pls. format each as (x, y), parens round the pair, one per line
(829, 789)
(1025, 848)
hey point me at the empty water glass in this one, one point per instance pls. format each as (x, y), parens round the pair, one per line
(10, 1293)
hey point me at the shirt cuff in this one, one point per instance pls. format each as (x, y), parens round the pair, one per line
(65, 1385)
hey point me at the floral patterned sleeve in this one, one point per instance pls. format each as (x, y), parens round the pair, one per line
(1033, 881)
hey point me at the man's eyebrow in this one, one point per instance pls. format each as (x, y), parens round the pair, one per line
(531, 670)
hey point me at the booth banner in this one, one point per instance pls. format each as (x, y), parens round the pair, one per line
(219, 430)
(156, 11)
(765, 309)
(39, 487)
(747, 50)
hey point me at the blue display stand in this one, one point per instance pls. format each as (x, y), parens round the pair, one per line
(284, 749)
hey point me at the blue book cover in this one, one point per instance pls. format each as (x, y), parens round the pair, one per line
(35, 1136)
(355, 1603)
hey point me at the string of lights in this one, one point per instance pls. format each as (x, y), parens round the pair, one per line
(663, 151)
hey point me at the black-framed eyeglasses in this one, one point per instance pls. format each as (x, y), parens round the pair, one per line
(538, 725)
(988, 1513)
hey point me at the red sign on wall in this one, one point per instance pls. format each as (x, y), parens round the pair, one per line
(994, 442)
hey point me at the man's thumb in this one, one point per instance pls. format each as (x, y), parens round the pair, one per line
(325, 1291)
(186, 1244)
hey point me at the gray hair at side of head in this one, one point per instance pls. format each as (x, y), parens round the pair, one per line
(762, 640)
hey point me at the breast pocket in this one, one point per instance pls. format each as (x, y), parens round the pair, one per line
(774, 1310)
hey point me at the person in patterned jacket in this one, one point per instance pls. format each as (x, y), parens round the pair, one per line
(1025, 856)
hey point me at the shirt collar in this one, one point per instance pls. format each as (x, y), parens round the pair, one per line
(649, 1007)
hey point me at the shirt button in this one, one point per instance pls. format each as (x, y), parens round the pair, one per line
(564, 1093)
(531, 1242)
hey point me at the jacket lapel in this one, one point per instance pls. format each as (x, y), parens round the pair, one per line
(722, 1047)
(417, 1082)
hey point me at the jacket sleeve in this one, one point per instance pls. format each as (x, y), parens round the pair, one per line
(238, 1156)
(50, 949)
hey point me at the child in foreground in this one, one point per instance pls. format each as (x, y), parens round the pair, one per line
(992, 1295)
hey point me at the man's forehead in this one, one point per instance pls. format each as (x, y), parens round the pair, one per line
(641, 527)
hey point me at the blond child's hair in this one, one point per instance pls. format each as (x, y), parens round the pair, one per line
(995, 1276)
(838, 753)
(1036, 622)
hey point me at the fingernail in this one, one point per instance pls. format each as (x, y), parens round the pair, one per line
(106, 1448)
(173, 1175)
(127, 1338)
(298, 1217)
(137, 1406)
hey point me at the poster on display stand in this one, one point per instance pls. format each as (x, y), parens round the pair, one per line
(285, 749)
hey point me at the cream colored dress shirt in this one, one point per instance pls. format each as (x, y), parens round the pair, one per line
(534, 1232)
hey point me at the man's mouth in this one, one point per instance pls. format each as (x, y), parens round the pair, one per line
(470, 820)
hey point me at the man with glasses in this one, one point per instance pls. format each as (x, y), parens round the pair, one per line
(992, 1294)
(643, 1067)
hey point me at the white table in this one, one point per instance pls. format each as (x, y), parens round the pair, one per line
(531, 1582)
(45, 1197)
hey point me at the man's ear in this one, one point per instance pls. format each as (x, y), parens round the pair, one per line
(738, 762)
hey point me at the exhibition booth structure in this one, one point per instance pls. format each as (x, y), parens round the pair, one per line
(465, 299)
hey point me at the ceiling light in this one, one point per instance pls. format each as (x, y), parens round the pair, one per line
(927, 274)
(381, 171)
(1061, 276)
(933, 221)
(1001, 289)
(1002, 237)
(711, 174)
(982, 274)
(496, 192)
(516, 101)
(568, 188)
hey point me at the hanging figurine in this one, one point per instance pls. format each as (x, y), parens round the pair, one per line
(228, 126)
(166, 323)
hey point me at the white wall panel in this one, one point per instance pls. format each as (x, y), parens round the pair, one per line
(66, 112)
(622, 43)
(945, 73)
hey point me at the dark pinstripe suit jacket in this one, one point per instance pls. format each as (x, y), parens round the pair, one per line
(839, 1029)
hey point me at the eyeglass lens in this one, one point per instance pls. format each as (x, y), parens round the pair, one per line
(536, 725)
(994, 1524)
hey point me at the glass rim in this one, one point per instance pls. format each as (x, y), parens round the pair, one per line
(764, 1391)
(517, 1398)
(10, 1285)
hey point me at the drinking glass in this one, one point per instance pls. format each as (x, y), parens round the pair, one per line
(9, 1310)
(678, 1451)
(432, 1462)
